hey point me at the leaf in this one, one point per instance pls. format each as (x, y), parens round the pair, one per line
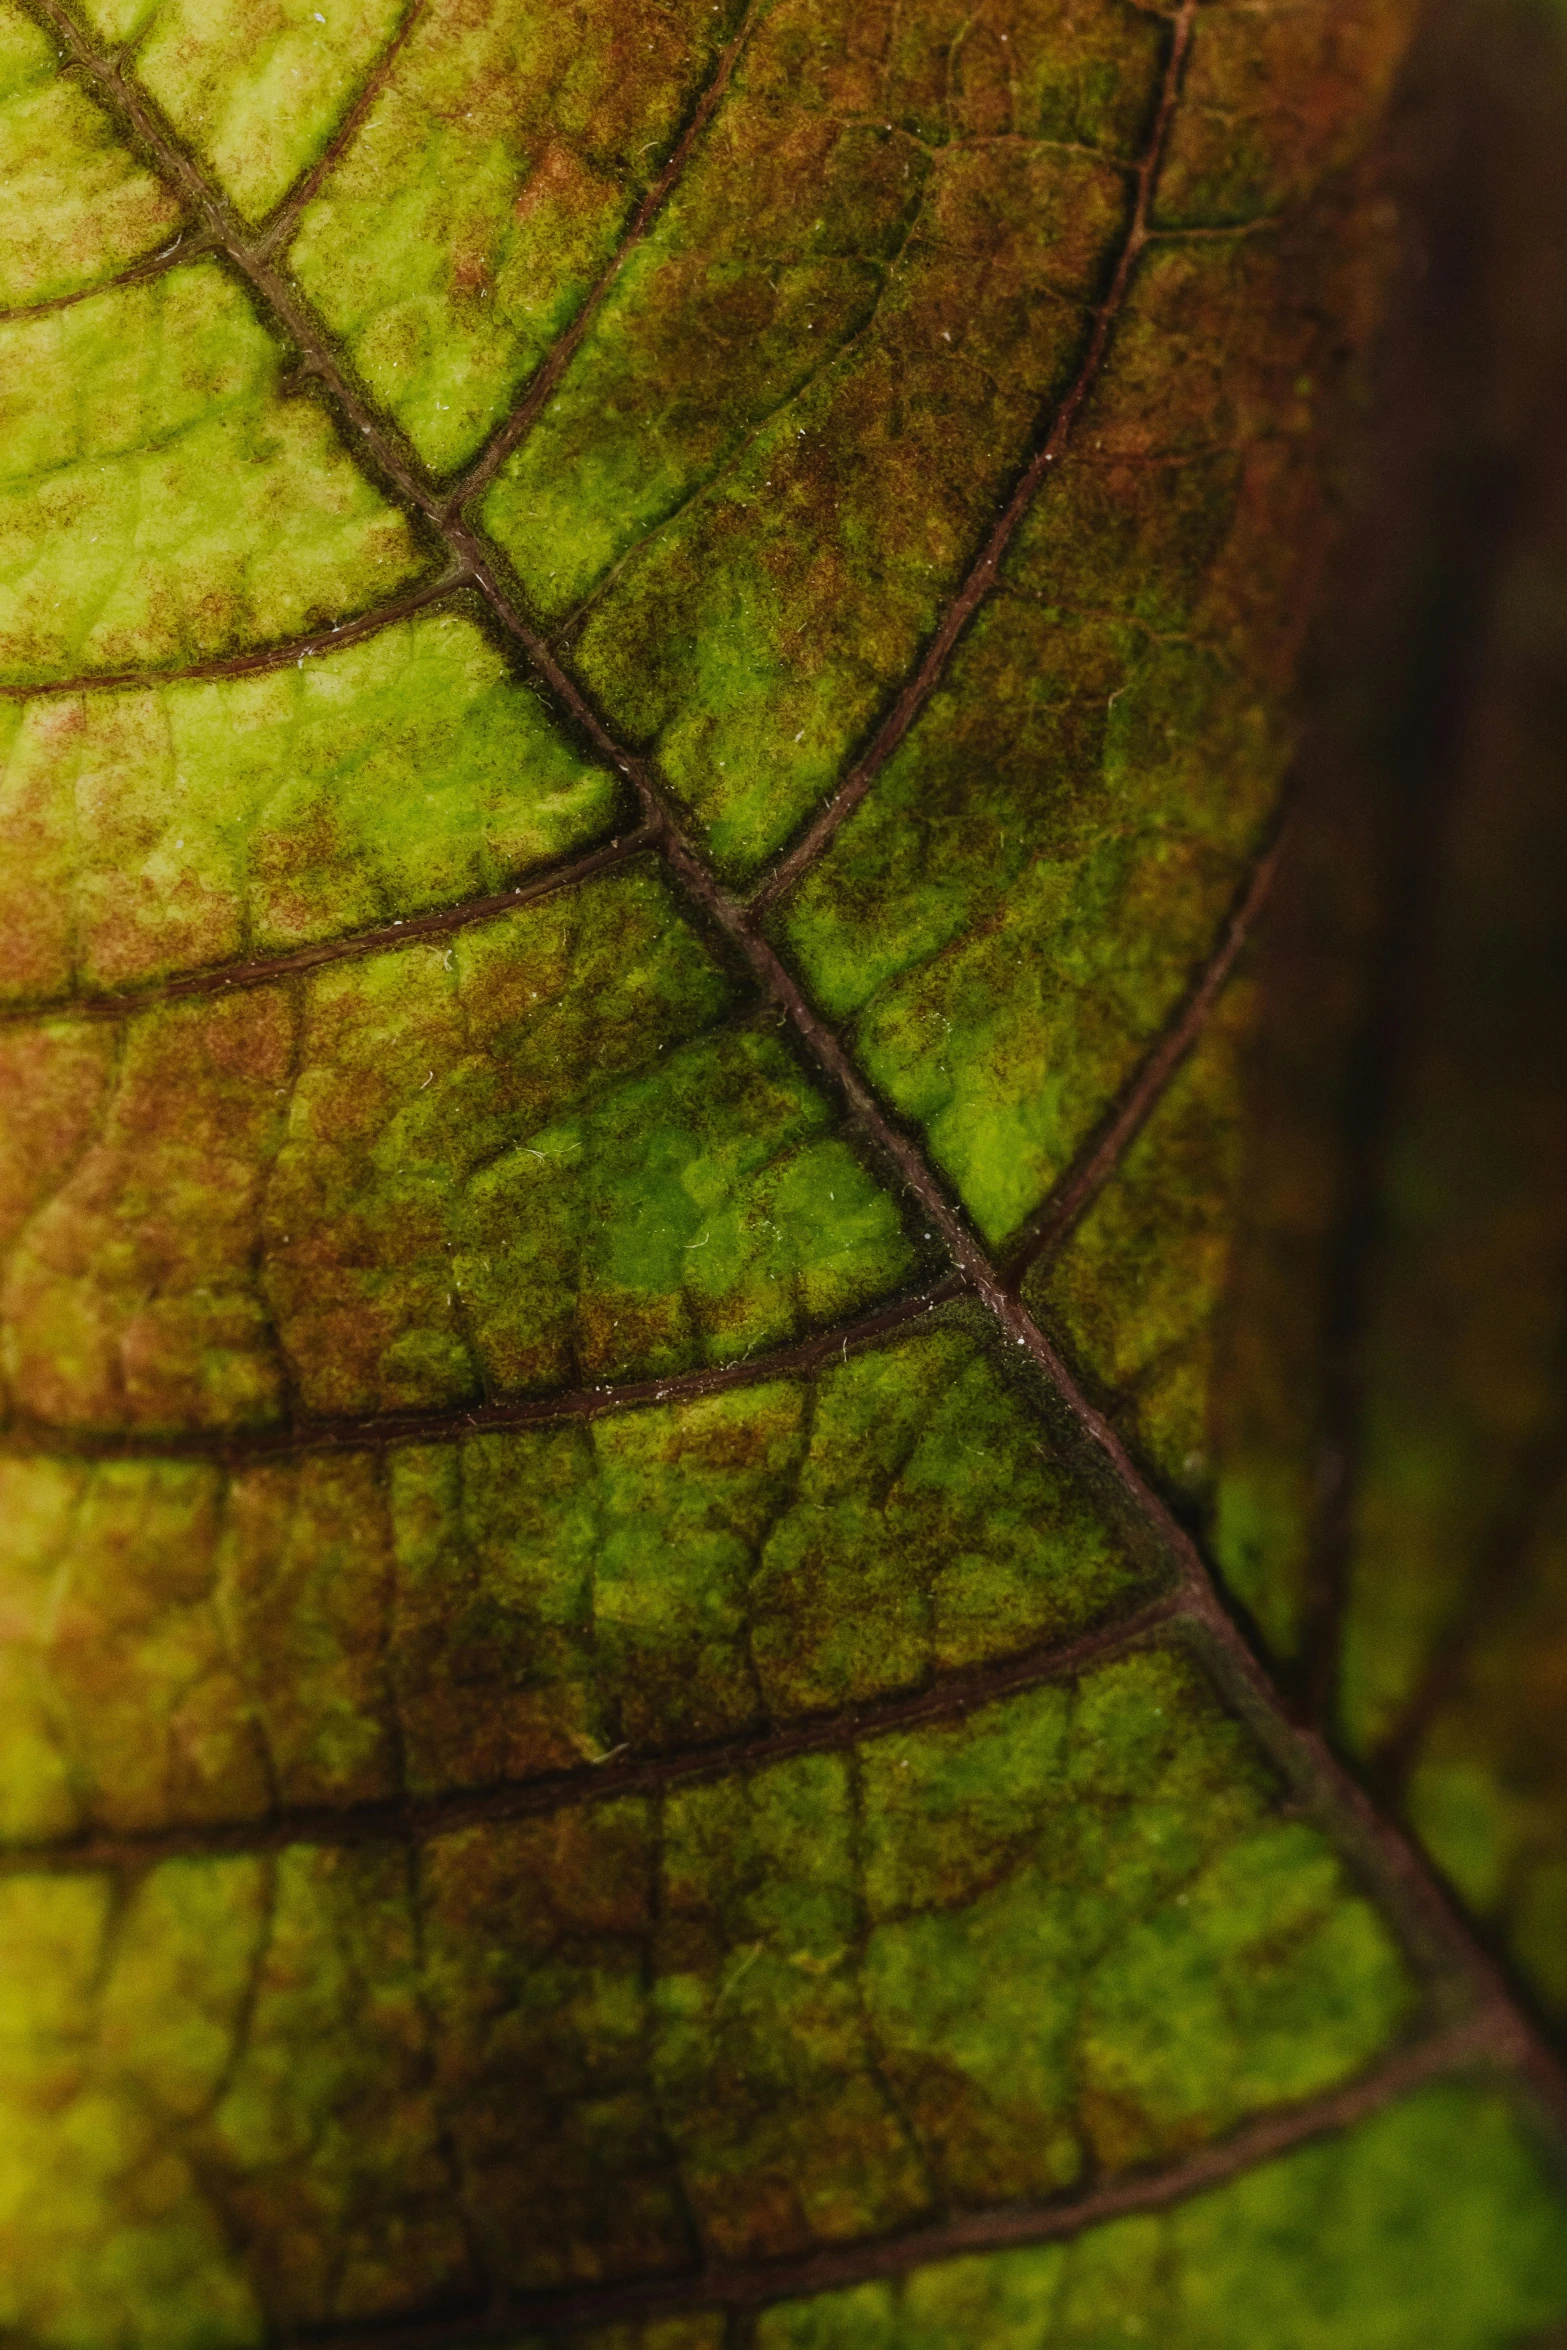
(645, 657)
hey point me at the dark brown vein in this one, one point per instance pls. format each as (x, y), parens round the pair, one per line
(1089, 1173)
(402, 1818)
(387, 937)
(1481, 2044)
(832, 357)
(247, 1448)
(984, 571)
(153, 266)
(378, 437)
(1407, 1887)
(254, 664)
(519, 424)
(280, 228)
(141, 118)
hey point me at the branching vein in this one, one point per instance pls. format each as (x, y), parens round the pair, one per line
(1377, 1849)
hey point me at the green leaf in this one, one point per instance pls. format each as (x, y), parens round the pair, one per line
(645, 678)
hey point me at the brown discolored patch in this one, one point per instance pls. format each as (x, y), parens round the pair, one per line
(540, 1940)
(130, 1293)
(1275, 99)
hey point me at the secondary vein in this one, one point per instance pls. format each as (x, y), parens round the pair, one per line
(985, 569)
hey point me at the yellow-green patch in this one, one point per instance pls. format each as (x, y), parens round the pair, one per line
(780, 248)
(1013, 913)
(149, 832)
(1138, 1287)
(78, 205)
(255, 86)
(163, 498)
(750, 640)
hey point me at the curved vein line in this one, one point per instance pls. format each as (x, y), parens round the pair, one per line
(380, 1431)
(386, 938)
(515, 428)
(1480, 2044)
(256, 664)
(569, 625)
(406, 1818)
(1407, 1886)
(153, 266)
(1105, 1149)
(280, 228)
(983, 572)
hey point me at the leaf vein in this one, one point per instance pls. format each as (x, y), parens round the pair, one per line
(515, 428)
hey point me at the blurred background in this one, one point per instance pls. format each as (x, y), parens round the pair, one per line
(1388, 1408)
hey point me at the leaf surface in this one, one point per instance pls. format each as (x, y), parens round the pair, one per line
(644, 675)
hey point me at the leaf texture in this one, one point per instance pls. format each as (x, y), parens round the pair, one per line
(645, 668)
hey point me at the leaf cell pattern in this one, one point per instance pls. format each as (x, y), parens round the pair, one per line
(346, 1628)
(644, 662)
